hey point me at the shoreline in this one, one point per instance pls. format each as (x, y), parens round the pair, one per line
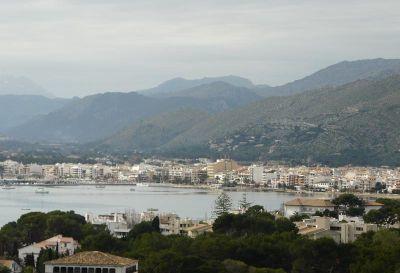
(210, 188)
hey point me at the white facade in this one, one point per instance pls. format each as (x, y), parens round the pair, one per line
(306, 206)
(63, 244)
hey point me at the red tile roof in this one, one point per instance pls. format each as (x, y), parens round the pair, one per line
(93, 258)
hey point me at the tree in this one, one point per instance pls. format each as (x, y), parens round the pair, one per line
(29, 260)
(327, 213)
(386, 215)
(202, 176)
(223, 204)
(243, 203)
(45, 255)
(33, 227)
(349, 204)
(1, 171)
(4, 269)
(298, 217)
(156, 224)
(28, 269)
(378, 186)
(145, 227)
(254, 221)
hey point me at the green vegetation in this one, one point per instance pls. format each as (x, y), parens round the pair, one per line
(346, 113)
(223, 204)
(389, 214)
(243, 203)
(355, 123)
(45, 255)
(37, 226)
(152, 133)
(252, 242)
(349, 204)
(4, 269)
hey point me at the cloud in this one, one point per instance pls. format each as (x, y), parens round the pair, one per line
(81, 47)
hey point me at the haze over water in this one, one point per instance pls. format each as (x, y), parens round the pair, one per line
(193, 203)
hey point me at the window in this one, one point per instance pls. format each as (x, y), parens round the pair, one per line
(84, 270)
(359, 229)
(335, 228)
(77, 270)
(91, 270)
(56, 269)
(70, 270)
(105, 270)
(112, 270)
(98, 270)
(63, 269)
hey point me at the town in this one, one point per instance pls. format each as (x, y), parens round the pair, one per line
(204, 172)
(343, 220)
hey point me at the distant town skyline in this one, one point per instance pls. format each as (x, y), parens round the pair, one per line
(75, 48)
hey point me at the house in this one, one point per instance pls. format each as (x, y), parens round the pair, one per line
(306, 206)
(12, 265)
(342, 230)
(92, 262)
(370, 205)
(64, 245)
(198, 229)
(119, 224)
(173, 224)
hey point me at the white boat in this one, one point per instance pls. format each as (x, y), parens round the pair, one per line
(8, 187)
(42, 191)
(142, 184)
(100, 186)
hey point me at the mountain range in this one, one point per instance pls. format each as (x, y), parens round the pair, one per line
(345, 113)
(16, 110)
(12, 85)
(354, 123)
(98, 116)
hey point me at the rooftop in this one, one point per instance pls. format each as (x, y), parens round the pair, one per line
(311, 230)
(310, 202)
(373, 203)
(93, 258)
(200, 227)
(53, 241)
(6, 263)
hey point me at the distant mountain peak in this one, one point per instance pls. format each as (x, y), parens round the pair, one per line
(21, 85)
(179, 83)
(335, 75)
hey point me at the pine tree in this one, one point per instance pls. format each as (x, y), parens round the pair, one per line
(156, 224)
(243, 203)
(223, 204)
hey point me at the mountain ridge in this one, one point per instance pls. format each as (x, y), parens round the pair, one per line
(17, 109)
(12, 85)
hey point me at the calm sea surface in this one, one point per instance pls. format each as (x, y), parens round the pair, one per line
(192, 203)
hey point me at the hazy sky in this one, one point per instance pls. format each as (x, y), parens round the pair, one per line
(87, 46)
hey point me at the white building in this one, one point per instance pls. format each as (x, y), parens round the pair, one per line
(307, 206)
(119, 224)
(65, 245)
(342, 230)
(172, 224)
